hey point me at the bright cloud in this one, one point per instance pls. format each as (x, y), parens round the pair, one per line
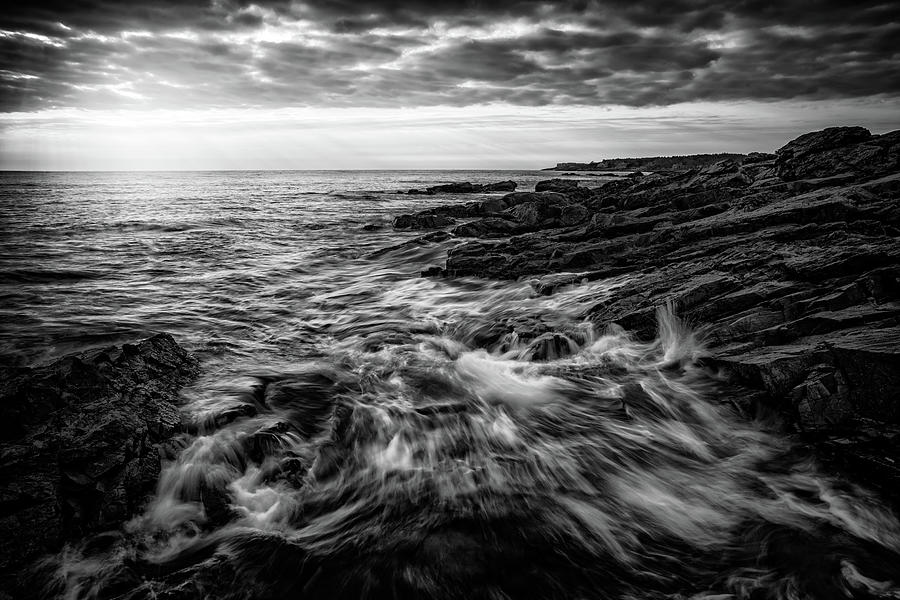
(128, 63)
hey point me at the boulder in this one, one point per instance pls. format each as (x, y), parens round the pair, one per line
(500, 186)
(540, 197)
(454, 188)
(573, 214)
(466, 187)
(81, 442)
(492, 205)
(828, 152)
(422, 221)
(541, 215)
(488, 227)
(819, 141)
(556, 185)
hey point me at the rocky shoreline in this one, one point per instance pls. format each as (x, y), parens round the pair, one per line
(789, 269)
(788, 266)
(82, 440)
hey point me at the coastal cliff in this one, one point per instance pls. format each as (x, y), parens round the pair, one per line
(788, 267)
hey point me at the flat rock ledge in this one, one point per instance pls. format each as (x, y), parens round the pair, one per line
(464, 187)
(789, 266)
(447, 215)
(81, 441)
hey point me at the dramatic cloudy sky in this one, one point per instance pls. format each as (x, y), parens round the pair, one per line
(441, 83)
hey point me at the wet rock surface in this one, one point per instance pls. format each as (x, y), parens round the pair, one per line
(422, 221)
(81, 442)
(520, 209)
(788, 265)
(464, 187)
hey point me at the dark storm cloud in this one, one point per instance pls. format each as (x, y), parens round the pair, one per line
(455, 52)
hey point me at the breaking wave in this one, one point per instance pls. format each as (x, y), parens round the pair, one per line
(580, 463)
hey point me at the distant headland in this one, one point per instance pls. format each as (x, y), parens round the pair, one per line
(660, 163)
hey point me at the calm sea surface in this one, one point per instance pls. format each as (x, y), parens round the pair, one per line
(410, 437)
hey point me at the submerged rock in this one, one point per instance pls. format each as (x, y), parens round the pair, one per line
(81, 442)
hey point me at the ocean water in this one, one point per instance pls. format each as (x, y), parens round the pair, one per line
(362, 432)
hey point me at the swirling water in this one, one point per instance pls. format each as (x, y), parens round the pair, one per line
(362, 432)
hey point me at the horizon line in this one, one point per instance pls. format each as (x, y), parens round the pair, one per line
(258, 170)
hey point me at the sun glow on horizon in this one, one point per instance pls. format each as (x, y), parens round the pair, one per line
(492, 136)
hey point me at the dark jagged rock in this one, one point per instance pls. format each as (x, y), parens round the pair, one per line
(500, 186)
(789, 265)
(422, 221)
(466, 187)
(568, 187)
(821, 141)
(489, 227)
(527, 211)
(454, 188)
(81, 442)
(835, 151)
(443, 216)
(517, 212)
(517, 198)
(726, 173)
(531, 215)
(573, 214)
(490, 206)
(555, 185)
